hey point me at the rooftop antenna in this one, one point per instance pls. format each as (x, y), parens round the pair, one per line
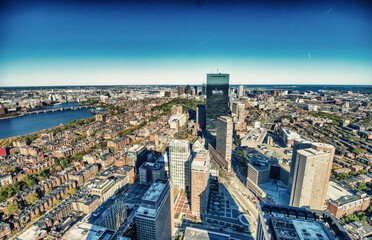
(217, 70)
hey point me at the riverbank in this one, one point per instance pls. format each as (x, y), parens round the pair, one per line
(35, 110)
(20, 126)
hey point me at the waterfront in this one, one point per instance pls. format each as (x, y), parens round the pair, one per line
(36, 122)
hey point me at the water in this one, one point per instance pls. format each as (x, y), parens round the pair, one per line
(60, 105)
(35, 122)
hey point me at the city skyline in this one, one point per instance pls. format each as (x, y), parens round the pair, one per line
(112, 43)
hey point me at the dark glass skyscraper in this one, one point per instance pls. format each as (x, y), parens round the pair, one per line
(217, 99)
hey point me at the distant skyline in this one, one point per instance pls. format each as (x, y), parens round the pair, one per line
(47, 43)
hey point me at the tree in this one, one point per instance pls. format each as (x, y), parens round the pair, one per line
(11, 208)
(32, 198)
(44, 173)
(71, 191)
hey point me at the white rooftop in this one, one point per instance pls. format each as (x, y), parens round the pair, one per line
(335, 191)
(322, 145)
(308, 152)
(31, 233)
(309, 230)
(86, 231)
(154, 191)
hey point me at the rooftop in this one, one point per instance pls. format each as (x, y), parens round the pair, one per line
(135, 148)
(194, 233)
(255, 135)
(85, 231)
(154, 191)
(335, 191)
(292, 223)
(309, 152)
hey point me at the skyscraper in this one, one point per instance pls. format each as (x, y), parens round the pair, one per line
(304, 144)
(310, 179)
(298, 145)
(224, 138)
(180, 90)
(188, 89)
(217, 99)
(200, 116)
(153, 217)
(200, 182)
(180, 163)
(240, 90)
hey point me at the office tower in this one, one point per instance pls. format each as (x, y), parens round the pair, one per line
(310, 179)
(303, 144)
(180, 163)
(204, 89)
(217, 99)
(258, 172)
(200, 116)
(200, 182)
(188, 89)
(240, 91)
(150, 172)
(298, 144)
(277, 222)
(331, 150)
(136, 156)
(110, 214)
(225, 138)
(153, 217)
(196, 90)
(180, 90)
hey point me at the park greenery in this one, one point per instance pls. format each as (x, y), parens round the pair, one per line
(9, 190)
(12, 208)
(185, 103)
(32, 198)
(349, 175)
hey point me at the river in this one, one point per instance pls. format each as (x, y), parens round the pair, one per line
(36, 122)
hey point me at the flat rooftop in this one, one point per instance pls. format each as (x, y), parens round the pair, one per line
(135, 148)
(154, 191)
(86, 231)
(319, 144)
(335, 191)
(199, 234)
(255, 135)
(309, 152)
(31, 233)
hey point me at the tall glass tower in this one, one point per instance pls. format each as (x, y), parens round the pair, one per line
(217, 99)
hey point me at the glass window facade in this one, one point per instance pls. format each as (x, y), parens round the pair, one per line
(217, 99)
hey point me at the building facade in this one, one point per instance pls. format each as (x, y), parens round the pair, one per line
(200, 182)
(217, 99)
(180, 163)
(153, 217)
(201, 116)
(225, 138)
(310, 179)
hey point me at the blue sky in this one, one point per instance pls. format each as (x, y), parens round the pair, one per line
(111, 42)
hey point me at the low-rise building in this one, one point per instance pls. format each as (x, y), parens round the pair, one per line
(288, 136)
(86, 204)
(254, 138)
(149, 172)
(347, 205)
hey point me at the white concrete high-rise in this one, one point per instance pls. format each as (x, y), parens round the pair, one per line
(310, 178)
(240, 90)
(180, 163)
